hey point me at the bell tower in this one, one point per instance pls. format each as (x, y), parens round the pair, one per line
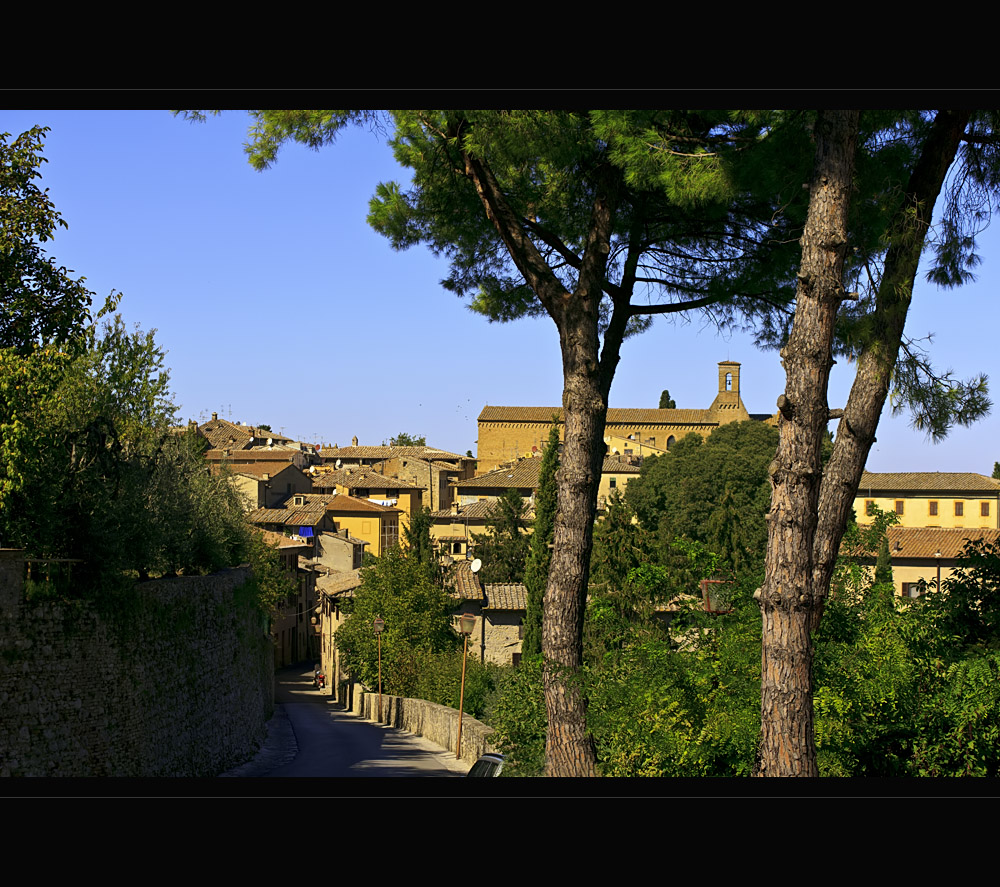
(727, 404)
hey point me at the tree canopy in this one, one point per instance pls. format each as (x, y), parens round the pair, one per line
(714, 490)
(416, 611)
(40, 302)
(407, 440)
(89, 466)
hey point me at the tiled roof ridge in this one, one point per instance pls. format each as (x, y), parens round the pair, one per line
(616, 415)
(926, 480)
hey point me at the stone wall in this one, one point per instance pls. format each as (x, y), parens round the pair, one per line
(438, 723)
(173, 679)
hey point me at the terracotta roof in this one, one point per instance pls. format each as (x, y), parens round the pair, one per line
(387, 453)
(931, 481)
(258, 469)
(353, 478)
(925, 542)
(474, 511)
(342, 503)
(521, 475)
(240, 457)
(309, 500)
(280, 540)
(301, 517)
(616, 416)
(506, 597)
(338, 583)
(613, 465)
(465, 584)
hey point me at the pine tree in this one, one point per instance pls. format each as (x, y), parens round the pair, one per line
(536, 571)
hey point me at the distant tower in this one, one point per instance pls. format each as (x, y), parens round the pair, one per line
(727, 404)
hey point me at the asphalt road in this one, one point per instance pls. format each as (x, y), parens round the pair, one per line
(310, 735)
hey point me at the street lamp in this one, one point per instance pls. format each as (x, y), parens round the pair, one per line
(466, 625)
(379, 625)
(937, 554)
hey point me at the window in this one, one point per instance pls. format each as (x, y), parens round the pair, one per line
(899, 506)
(984, 509)
(670, 441)
(932, 509)
(869, 505)
(959, 509)
(613, 482)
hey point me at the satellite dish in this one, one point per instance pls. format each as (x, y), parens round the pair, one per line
(476, 565)
(337, 465)
(270, 441)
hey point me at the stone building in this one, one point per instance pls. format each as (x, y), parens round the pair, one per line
(508, 433)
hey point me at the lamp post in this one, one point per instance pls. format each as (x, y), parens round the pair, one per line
(466, 625)
(379, 625)
(937, 554)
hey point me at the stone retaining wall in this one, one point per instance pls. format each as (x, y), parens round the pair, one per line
(175, 679)
(438, 723)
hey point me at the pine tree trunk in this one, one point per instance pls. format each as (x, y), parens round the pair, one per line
(856, 430)
(787, 747)
(569, 748)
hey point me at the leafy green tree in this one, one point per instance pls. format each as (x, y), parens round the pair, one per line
(407, 440)
(418, 539)
(883, 566)
(620, 543)
(40, 302)
(536, 570)
(996, 470)
(714, 490)
(90, 468)
(417, 621)
(666, 401)
(503, 549)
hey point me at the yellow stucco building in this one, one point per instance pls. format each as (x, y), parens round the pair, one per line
(931, 498)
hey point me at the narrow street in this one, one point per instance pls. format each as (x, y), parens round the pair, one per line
(310, 735)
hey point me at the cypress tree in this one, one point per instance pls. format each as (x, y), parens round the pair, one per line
(536, 572)
(883, 566)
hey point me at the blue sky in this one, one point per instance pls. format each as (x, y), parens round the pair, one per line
(276, 303)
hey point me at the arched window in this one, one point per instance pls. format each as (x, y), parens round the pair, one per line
(729, 381)
(670, 441)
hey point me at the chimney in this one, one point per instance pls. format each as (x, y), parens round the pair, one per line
(354, 441)
(215, 417)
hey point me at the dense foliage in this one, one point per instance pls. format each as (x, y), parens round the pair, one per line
(40, 303)
(90, 469)
(713, 490)
(416, 611)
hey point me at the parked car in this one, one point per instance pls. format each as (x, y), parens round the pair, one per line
(488, 765)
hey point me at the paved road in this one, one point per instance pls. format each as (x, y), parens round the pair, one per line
(310, 735)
